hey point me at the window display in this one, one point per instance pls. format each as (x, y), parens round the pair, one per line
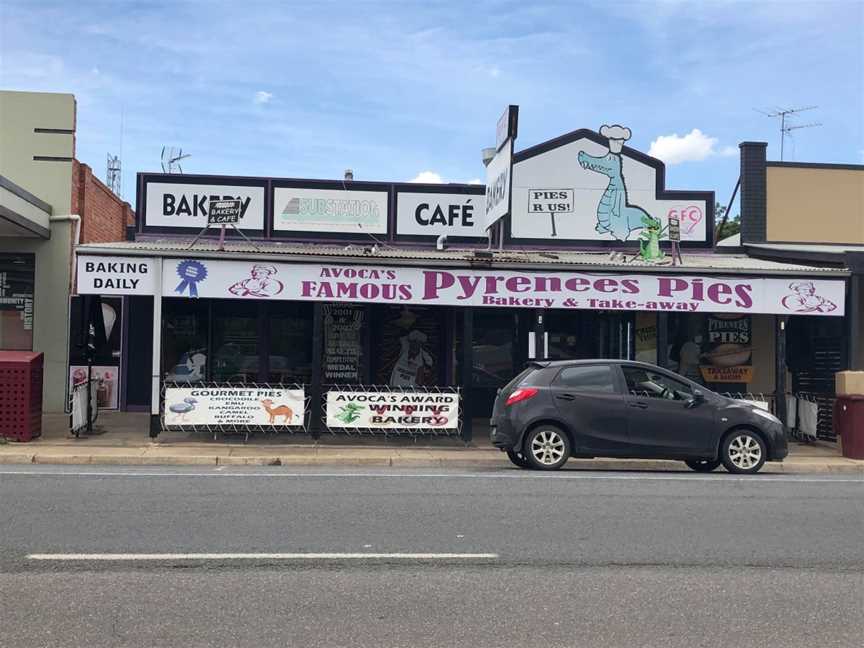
(290, 353)
(184, 340)
(17, 272)
(409, 344)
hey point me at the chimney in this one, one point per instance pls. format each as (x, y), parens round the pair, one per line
(754, 227)
(349, 174)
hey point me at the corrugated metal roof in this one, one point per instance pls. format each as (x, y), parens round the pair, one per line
(605, 260)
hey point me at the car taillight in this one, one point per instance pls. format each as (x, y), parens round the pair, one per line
(521, 394)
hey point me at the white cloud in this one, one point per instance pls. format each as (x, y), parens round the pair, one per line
(692, 147)
(263, 97)
(429, 177)
(475, 181)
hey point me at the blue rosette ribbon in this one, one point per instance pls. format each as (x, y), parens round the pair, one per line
(191, 272)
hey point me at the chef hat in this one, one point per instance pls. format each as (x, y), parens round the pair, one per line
(798, 285)
(616, 135)
(264, 268)
(417, 336)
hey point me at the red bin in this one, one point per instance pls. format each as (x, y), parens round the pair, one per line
(20, 395)
(849, 424)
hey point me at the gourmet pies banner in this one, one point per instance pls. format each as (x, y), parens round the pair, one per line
(503, 288)
(392, 410)
(230, 406)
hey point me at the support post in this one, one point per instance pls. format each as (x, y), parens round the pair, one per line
(856, 325)
(540, 334)
(155, 386)
(315, 395)
(780, 322)
(663, 339)
(467, 370)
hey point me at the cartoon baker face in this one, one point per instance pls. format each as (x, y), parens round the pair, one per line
(262, 272)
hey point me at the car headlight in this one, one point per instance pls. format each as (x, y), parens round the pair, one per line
(760, 412)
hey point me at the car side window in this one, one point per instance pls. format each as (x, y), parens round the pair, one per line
(652, 384)
(591, 378)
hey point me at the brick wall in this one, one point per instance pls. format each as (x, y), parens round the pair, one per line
(104, 216)
(753, 192)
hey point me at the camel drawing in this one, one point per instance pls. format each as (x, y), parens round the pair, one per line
(615, 214)
(280, 410)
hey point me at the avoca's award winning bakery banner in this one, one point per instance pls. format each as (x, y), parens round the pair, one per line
(393, 410)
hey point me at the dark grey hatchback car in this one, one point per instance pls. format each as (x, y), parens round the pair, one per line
(617, 408)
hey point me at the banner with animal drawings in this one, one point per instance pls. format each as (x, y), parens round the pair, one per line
(393, 410)
(261, 406)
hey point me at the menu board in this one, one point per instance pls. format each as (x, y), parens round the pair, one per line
(343, 343)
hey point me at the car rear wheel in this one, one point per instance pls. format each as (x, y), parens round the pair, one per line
(743, 452)
(703, 465)
(547, 448)
(518, 459)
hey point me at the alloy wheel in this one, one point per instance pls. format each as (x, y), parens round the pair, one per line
(745, 452)
(548, 447)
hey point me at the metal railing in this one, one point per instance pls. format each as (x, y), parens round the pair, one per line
(78, 407)
(809, 416)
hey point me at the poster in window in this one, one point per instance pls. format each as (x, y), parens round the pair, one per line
(16, 301)
(727, 350)
(408, 347)
(343, 343)
(646, 337)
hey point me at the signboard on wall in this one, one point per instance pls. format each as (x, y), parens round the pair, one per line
(187, 204)
(224, 212)
(600, 191)
(329, 211)
(393, 410)
(234, 406)
(727, 350)
(501, 288)
(110, 275)
(499, 176)
(433, 214)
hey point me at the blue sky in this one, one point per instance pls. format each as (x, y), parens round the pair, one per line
(392, 90)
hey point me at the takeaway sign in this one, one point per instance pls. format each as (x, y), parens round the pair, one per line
(115, 275)
(194, 206)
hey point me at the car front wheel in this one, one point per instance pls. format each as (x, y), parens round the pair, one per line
(743, 452)
(547, 448)
(703, 465)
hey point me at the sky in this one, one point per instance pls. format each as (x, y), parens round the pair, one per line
(407, 90)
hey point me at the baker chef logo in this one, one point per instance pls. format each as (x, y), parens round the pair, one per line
(805, 300)
(260, 284)
(190, 273)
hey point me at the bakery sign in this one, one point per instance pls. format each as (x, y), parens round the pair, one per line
(434, 214)
(727, 350)
(393, 410)
(109, 275)
(190, 205)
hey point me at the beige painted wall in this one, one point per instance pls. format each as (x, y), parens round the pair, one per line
(811, 205)
(20, 114)
(50, 306)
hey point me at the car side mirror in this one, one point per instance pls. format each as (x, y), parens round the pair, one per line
(697, 399)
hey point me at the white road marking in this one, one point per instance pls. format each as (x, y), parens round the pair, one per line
(567, 475)
(260, 556)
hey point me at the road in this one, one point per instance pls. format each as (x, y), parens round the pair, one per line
(511, 558)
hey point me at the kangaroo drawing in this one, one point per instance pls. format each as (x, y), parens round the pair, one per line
(280, 410)
(615, 214)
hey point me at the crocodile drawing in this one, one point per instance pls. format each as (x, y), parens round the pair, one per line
(615, 215)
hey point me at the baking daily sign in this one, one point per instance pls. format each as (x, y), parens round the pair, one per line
(392, 410)
(503, 288)
(106, 275)
(234, 406)
(343, 211)
(434, 214)
(188, 205)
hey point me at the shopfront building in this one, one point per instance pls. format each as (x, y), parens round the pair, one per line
(339, 287)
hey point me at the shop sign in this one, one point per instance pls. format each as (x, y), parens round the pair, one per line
(499, 176)
(224, 212)
(604, 193)
(344, 211)
(234, 406)
(727, 350)
(109, 275)
(190, 205)
(502, 288)
(392, 410)
(433, 214)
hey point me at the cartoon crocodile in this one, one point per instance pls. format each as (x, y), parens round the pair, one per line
(649, 240)
(615, 214)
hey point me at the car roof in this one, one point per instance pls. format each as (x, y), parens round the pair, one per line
(589, 361)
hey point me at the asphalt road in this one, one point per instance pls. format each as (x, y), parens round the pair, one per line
(575, 558)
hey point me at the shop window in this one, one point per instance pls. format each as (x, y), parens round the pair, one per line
(290, 335)
(597, 378)
(495, 337)
(345, 330)
(408, 345)
(184, 340)
(235, 341)
(17, 280)
(106, 350)
(574, 335)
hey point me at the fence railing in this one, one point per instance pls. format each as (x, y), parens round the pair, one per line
(78, 407)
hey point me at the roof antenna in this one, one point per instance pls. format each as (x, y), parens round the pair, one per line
(171, 159)
(782, 114)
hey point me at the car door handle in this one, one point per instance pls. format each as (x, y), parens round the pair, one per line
(566, 397)
(639, 405)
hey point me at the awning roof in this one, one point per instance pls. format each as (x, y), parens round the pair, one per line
(693, 262)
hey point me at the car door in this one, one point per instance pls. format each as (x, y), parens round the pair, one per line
(590, 399)
(663, 418)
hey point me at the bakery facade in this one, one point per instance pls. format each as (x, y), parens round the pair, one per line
(349, 305)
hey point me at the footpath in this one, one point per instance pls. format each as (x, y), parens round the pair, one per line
(122, 440)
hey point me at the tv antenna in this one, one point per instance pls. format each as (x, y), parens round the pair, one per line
(113, 177)
(786, 129)
(171, 159)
